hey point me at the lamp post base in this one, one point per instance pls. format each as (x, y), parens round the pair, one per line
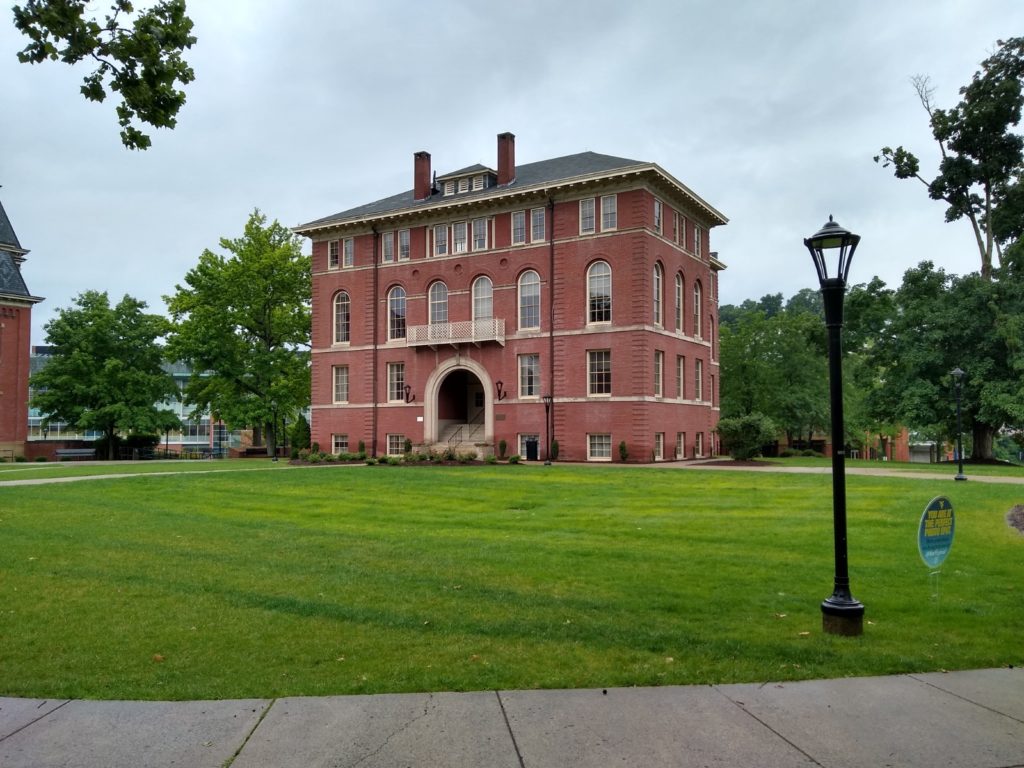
(842, 617)
(960, 477)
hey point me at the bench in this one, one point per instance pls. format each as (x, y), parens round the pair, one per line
(75, 453)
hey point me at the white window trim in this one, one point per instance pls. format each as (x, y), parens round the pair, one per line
(593, 216)
(348, 253)
(590, 371)
(590, 446)
(335, 371)
(615, 212)
(333, 254)
(453, 245)
(404, 234)
(512, 222)
(473, 234)
(541, 214)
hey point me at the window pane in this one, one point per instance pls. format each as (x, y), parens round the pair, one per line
(599, 446)
(518, 227)
(529, 375)
(339, 443)
(657, 216)
(459, 237)
(332, 254)
(479, 234)
(438, 303)
(396, 381)
(403, 244)
(396, 313)
(609, 212)
(586, 216)
(599, 367)
(440, 240)
(599, 290)
(350, 253)
(529, 300)
(482, 299)
(342, 318)
(387, 246)
(657, 294)
(537, 225)
(341, 383)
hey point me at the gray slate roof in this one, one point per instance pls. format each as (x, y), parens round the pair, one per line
(528, 175)
(11, 281)
(7, 236)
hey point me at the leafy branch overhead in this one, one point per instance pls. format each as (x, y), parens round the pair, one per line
(140, 60)
(979, 175)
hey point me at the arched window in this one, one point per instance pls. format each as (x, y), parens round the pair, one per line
(698, 307)
(438, 303)
(483, 299)
(396, 313)
(599, 293)
(679, 302)
(529, 299)
(342, 318)
(657, 284)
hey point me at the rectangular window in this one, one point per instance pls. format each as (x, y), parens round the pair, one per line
(698, 237)
(518, 227)
(698, 379)
(387, 246)
(599, 372)
(587, 216)
(403, 245)
(348, 255)
(609, 212)
(332, 254)
(449, 188)
(537, 225)
(396, 444)
(529, 375)
(464, 185)
(440, 239)
(396, 382)
(478, 183)
(340, 383)
(698, 445)
(659, 367)
(479, 234)
(459, 237)
(659, 446)
(675, 226)
(682, 231)
(599, 447)
(711, 389)
(657, 216)
(680, 377)
(339, 444)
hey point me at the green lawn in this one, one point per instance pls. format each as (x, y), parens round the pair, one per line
(41, 470)
(381, 579)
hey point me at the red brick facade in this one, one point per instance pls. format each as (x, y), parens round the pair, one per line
(463, 356)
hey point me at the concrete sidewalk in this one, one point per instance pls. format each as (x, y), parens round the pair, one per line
(972, 719)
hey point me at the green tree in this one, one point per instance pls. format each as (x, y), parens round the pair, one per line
(744, 436)
(243, 321)
(982, 153)
(942, 321)
(105, 373)
(300, 433)
(143, 62)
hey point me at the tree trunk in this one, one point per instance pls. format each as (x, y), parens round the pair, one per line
(110, 442)
(269, 429)
(983, 440)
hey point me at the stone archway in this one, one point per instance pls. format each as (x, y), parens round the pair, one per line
(458, 388)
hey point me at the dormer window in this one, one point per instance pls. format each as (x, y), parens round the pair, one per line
(449, 188)
(478, 182)
(464, 184)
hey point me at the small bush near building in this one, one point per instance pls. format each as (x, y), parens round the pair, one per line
(744, 435)
(623, 451)
(554, 450)
(502, 447)
(515, 458)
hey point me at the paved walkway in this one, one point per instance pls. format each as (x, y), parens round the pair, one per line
(972, 719)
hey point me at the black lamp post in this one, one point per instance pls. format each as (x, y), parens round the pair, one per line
(958, 385)
(842, 614)
(547, 428)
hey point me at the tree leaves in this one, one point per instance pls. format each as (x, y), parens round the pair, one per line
(142, 63)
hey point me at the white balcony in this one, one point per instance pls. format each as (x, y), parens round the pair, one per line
(466, 332)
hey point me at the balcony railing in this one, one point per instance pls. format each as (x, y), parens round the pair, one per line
(466, 332)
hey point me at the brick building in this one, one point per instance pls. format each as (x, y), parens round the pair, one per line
(447, 314)
(15, 339)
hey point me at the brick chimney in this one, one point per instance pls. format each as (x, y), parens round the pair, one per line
(421, 176)
(506, 158)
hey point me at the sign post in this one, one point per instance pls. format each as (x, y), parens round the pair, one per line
(935, 534)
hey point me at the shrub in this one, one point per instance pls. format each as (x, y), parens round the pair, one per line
(20, 459)
(371, 461)
(41, 458)
(303, 454)
(362, 448)
(623, 451)
(502, 447)
(554, 450)
(788, 453)
(744, 435)
(300, 433)
(407, 445)
(314, 447)
(514, 458)
(811, 453)
(491, 459)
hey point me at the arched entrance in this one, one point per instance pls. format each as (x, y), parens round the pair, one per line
(458, 406)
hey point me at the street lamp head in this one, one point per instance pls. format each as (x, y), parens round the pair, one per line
(957, 374)
(547, 399)
(832, 243)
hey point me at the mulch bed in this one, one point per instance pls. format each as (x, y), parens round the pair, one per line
(1015, 517)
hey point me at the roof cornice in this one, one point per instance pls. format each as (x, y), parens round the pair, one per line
(512, 192)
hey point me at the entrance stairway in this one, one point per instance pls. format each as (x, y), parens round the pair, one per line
(460, 437)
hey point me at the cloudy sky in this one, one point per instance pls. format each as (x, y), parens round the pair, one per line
(770, 111)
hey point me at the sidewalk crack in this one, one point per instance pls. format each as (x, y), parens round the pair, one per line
(508, 726)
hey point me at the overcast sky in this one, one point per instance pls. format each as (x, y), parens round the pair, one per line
(771, 112)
